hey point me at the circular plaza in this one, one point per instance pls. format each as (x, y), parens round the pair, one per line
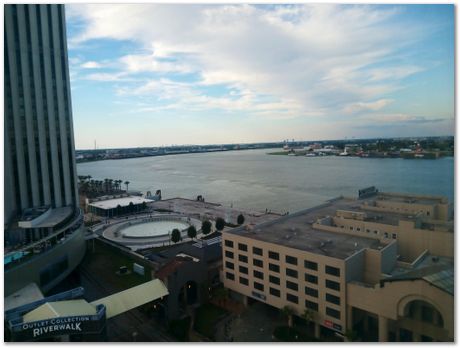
(151, 230)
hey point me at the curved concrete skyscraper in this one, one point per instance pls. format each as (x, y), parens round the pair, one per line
(41, 198)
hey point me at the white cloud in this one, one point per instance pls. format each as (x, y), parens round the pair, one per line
(371, 106)
(304, 59)
(91, 65)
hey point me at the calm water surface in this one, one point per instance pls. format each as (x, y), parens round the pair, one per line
(252, 179)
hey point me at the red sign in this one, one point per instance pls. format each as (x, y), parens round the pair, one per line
(329, 324)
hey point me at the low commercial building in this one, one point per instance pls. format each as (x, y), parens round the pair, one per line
(189, 271)
(110, 206)
(380, 266)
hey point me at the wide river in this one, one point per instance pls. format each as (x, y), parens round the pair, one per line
(251, 179)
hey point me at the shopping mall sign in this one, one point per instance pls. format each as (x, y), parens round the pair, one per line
(333, 326)
(75, 325)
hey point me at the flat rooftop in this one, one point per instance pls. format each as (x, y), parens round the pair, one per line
(296, 231)
(123, 202)
(211, 211)
(409, 198)
(41, 218)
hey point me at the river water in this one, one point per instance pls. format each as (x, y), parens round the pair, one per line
(251, 179)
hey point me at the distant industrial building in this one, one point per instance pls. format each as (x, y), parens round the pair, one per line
(43, 225)
(381, 266)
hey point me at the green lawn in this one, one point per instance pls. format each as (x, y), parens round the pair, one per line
(104, 263)
(206, 317)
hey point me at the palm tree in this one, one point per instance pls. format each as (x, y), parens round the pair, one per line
(308, 315)
(126, 183)
(288, 312)
(175, 235)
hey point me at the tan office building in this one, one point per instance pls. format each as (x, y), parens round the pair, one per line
(380, 266)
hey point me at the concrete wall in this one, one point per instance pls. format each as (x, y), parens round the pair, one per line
(412, 242)
(372, 266)
(19, 276)
(389, 256)
(354, 267)
(390, 301)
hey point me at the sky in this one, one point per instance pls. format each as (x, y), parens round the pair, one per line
(158, 74)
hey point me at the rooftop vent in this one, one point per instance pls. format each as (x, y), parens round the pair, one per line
(321, 245)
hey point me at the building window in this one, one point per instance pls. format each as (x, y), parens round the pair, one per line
(330, 284)
(229, 243)
(258, 286)
(393, 236)
(229, 264)
(292, 298)
(244, 281)
(351, 228)
(243, 269)
(385, 234)
(230, 276)
(376, 232)
(333, 313)
(368, 230)
(311, 305)
(311, 278)
(273, 255)
(274, 268)
(258, 274)
(333, 299)
(257, 263)
(229, 254)
(292, 286)
(291, 260)
(257, 251)
(311, 265)
(358, 229)
(291, 273)
(274, 280)
(333, 271)
(311, 292)
(427, 314)
(243, 258)
(274, 292)
(242, 247)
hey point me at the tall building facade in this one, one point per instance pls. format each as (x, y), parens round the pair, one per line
(41, 197)
(39, 144)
